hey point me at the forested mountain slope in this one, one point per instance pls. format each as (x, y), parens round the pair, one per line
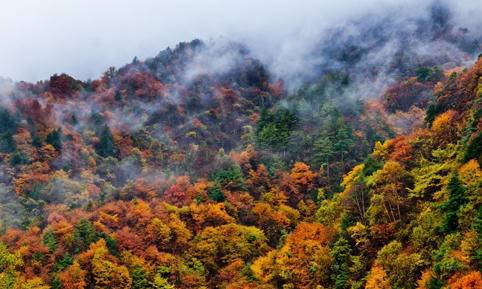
(201, 168)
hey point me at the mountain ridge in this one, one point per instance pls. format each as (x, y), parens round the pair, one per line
(203, 168)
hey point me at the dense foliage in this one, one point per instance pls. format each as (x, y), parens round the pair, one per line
(175, 173)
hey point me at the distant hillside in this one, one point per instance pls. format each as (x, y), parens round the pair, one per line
(203, 168)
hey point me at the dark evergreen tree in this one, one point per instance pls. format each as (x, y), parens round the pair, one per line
(55, 139)
(340, 271)
(216, 194)
(50, 241)
(477, 255)
(96, 120)
(106, 146)
(63, 262)
(452, 205)
(8, 124)
(110, 243)
(7, 143)
(74, 120)
(84, 234)
(474, 149)
(275, 128)
(36, 141)
(19, 158)
(8, 127)
(140, 278)
(371, 165)
(231, 178)
(323, 151)
(343, 140)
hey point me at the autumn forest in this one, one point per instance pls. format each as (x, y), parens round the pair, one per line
(200, 167)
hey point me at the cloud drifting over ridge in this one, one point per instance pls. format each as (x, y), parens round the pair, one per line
(84, 37)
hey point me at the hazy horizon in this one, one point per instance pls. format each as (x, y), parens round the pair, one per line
(84, 38)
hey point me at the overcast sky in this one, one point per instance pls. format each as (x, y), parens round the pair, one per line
(84, 37)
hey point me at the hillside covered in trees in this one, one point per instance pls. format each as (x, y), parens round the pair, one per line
(201, 168)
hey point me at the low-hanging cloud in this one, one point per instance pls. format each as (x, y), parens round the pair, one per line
(84, 37)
